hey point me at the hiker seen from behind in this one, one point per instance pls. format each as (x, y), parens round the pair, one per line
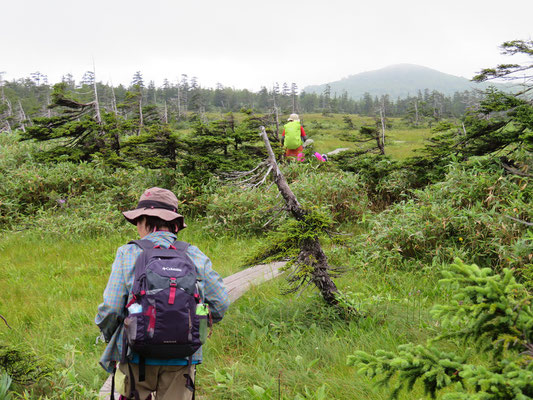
(157, 305)
(293, 137)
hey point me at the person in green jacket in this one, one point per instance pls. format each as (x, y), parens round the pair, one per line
(293, 137)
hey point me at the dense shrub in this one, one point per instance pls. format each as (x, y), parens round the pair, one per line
(469, 214)
(78, 197)
(235, 210)
(387, 180)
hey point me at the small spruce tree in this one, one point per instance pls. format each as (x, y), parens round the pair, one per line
(490, 311)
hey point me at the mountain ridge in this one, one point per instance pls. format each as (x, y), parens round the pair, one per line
(398, 80)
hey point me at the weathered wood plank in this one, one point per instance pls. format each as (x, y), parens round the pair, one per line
(105, 391)
(236, 285)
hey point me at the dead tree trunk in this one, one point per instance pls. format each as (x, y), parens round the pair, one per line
(114, 100)
(96, 103)
(179, 101)
(22, 117)
(141, 121)
(416, 112)
(311, 253)
(277, 122)
(381, 141)
(276, 113)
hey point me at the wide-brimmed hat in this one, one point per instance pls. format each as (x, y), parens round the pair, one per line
(293, 117)
(157, 202)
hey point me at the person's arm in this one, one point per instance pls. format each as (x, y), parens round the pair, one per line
(283, 137)
(214, 291)
(111, 311)
(302, 134)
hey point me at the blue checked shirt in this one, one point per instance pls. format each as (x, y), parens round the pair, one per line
(117, 294)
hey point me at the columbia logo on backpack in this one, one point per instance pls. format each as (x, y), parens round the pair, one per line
(171, 269)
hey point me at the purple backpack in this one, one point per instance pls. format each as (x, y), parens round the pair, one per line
(167, 318)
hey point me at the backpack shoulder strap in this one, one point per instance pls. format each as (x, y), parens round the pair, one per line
(144, 244)
(181, 246)
(140, 263)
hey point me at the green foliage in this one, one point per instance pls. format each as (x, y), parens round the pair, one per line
(490, 310)
(74, 130)
(386, 180)
(234, 210)
(155, 148)
(435, 368)
(221, 146)
(500, 121)
(286, 241)
(467, 214)
(509, 71)
(5, 383)
(348, 121)
(22, 365)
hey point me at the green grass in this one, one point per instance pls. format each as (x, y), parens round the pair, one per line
(266, 339)
(330, 133)
(53, 286)
(295, 343)
(402, 143)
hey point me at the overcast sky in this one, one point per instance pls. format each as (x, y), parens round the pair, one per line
(249, 44)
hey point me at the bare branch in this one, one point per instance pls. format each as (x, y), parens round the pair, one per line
(515, 171)
(1, 316)
(519, 220)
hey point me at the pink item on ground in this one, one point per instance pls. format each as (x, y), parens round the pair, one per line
(319, 156)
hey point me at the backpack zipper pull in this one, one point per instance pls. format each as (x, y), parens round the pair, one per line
(173, 286)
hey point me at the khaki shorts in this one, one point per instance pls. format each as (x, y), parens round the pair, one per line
(167, 381)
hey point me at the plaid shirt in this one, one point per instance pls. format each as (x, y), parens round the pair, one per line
(117, 292)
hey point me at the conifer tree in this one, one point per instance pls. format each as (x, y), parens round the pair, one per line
(490, 311)
(76, 129)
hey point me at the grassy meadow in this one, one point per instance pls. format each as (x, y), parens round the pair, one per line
(55, 263)
(267, 339)
(331, 132)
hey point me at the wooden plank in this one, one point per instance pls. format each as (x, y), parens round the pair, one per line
(252, 272)
(105, 391)
(236, 285)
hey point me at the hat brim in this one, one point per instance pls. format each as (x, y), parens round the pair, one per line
(165, 215)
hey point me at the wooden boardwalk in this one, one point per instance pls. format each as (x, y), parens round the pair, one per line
(236, 284)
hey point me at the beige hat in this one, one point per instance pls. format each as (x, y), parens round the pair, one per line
(294, 117)
(157, 202)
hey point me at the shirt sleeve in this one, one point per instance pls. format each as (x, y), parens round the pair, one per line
(111, 311)
(302, 131)
(214, 291)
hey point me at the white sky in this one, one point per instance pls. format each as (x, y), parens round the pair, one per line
(248, 44)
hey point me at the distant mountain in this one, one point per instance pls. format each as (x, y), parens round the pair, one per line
(399, 80)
